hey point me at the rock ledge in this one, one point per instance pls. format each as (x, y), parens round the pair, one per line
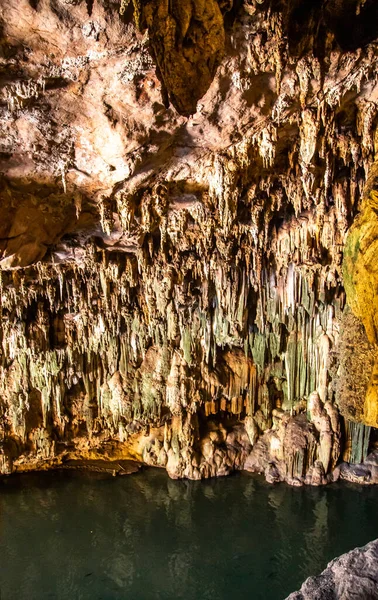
(351, 576)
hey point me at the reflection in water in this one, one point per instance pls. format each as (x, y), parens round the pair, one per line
(79, 537)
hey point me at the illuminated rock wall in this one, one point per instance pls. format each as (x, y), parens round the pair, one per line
(172, 288)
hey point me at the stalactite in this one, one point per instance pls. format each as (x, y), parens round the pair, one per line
(358, 436)
(207, 290)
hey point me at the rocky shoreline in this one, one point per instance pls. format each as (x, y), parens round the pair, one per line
(117, 467)
(352, 576)
(365, 473)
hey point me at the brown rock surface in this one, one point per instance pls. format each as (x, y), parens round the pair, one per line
(352, 576)
(187, 42)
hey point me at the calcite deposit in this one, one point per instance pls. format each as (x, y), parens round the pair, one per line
(188, 226)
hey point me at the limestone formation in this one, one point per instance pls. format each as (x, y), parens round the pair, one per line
(352, 576)
(187, 41)
(172, 286)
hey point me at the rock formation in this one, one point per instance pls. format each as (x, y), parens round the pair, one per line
(178, 180)
(352, 576)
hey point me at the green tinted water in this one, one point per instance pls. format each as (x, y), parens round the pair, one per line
(142, 537)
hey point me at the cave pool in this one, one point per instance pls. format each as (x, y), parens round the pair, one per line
(82, 536)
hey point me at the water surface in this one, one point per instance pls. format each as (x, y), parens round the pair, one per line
(75, 536)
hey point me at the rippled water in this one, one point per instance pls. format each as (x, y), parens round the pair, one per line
(72, 536)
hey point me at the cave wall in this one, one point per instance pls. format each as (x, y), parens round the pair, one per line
(177, 187)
